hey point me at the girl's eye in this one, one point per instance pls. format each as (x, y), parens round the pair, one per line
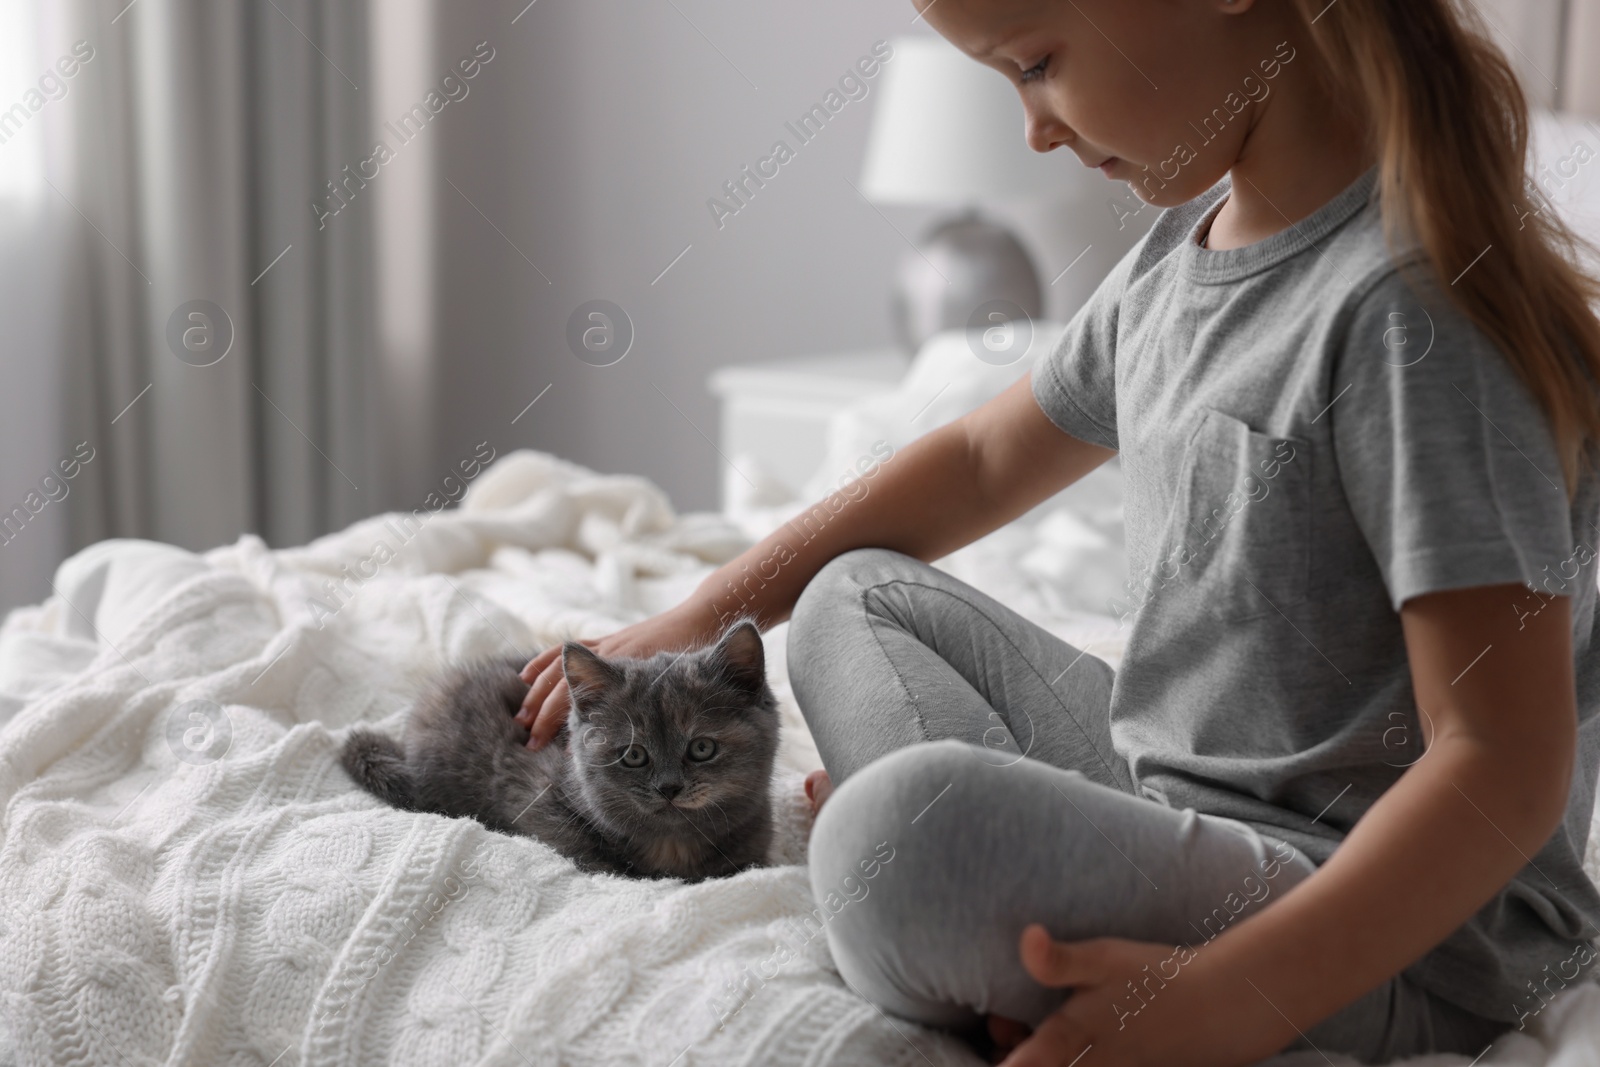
(1036, 71)
(702, 749)
(635, 756)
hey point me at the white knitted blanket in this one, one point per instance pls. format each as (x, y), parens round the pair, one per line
(186, 877)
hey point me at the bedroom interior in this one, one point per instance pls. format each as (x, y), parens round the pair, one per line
(351, 339)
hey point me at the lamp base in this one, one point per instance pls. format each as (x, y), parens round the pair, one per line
(962, 263)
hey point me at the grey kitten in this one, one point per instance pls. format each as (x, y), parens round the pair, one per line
(662, 769)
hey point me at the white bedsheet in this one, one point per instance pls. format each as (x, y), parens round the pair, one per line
(189, 890)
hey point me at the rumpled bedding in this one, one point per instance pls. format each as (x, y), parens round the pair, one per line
(187, 877)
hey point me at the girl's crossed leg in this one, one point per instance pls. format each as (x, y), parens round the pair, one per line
(973, 748)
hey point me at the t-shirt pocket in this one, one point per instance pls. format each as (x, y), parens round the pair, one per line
(1240, 536)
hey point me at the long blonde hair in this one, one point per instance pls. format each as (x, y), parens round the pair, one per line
(1449, 127)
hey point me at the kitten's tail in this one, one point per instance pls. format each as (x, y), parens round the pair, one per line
(378, 765)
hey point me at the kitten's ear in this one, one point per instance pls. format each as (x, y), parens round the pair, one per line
(741, 658)
(588, 676)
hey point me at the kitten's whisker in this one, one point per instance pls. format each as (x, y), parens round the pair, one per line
(530, 804)
(727, 823)
(702, 833)
(573, 817)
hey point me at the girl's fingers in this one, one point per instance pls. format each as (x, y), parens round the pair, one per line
(543, 685)
(544, 707)
(537, 664)
(1041, 955)
(551, 716)
(1061, 963)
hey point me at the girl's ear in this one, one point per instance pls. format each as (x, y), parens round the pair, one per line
(741, 657)
(588, 676)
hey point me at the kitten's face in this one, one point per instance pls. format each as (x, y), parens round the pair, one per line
(675, 741)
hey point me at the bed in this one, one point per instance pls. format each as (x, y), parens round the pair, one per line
(187, 877)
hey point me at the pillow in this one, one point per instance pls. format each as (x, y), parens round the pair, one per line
(946, 380)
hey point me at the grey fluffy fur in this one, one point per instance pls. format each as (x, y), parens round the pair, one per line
(674, 815)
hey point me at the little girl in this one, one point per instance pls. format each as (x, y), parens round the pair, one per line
(1337, 795)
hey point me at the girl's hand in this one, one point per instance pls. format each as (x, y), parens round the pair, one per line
(687, 626)
(1178, 1018)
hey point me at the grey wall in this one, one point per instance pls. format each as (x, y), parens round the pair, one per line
(593, 140)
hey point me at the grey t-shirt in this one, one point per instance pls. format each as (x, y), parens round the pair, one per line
(1309, 438)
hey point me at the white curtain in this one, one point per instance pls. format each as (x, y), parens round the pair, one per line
(1580, 92)
(182, 166)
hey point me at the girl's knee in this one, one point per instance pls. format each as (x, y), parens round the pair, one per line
(815, 623)
(841, 580)
(887, 798)
(871, 877)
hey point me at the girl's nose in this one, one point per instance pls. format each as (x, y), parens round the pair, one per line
(1044, 132)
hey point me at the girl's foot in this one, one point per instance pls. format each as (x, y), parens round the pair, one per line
(818, 788)
(1006, 1035)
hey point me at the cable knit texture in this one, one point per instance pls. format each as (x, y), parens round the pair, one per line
(186, 876)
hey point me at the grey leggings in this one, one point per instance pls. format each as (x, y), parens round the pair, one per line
(973, 749)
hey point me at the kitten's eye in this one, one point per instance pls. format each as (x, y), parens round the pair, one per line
(702, 749)
(635, 756)
(1036, 71)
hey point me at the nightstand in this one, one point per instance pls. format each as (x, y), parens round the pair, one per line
(775, 415)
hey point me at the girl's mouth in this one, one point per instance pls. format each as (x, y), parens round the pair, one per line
(1105, 167)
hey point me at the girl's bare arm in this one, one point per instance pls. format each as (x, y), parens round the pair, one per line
(944, 490)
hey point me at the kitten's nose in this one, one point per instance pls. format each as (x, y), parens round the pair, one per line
(671, 789)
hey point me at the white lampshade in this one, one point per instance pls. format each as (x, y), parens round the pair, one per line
(948, 129)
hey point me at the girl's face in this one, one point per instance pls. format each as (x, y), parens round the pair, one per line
(1128, 84)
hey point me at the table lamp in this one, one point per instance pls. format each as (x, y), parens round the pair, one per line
(948, 130)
